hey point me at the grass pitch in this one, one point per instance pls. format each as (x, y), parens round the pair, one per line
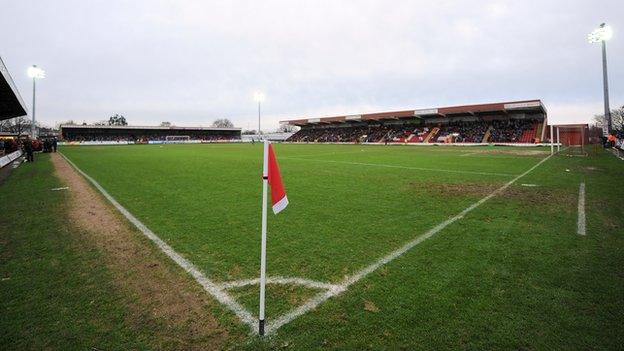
(512, 273)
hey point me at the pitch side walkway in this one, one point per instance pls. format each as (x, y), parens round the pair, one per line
(6, 171)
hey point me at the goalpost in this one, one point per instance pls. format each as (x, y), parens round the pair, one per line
(574, 147)
(177, 138)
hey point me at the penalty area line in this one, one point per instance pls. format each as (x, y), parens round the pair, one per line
(209, 286)
(350, 280)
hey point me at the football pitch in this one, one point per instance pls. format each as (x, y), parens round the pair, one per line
(389, 246)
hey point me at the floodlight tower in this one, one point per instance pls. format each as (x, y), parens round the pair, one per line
(602, 34)
(35, 73)
(259, 98)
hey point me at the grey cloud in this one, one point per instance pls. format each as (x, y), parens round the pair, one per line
(193, 61)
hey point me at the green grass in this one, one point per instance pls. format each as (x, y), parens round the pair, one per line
(512, 274)
(54, 291)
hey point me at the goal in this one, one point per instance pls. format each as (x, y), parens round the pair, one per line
(573, 137)
(177, 138)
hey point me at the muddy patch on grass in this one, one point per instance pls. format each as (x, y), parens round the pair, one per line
(5, 253)
(450, 190)
(534, 194)
(590, 170)
(160, 295)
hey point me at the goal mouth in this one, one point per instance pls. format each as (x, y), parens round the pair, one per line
(177, 139)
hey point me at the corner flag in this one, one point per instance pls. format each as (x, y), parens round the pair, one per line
(278, 194)
(270, 176)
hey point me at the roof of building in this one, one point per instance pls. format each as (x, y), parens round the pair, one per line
(11, 103)
(526, 106)
(91, 126)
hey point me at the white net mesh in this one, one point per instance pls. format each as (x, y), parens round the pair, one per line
(177, 138)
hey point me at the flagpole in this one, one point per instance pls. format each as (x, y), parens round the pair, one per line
(265, 180)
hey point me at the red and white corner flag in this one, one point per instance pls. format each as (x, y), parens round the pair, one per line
(278, 193)
(270, 176)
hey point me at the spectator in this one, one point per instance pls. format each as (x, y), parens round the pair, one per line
(29, 150)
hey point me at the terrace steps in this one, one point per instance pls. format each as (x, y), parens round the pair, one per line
(486, 136)
(528, 136)
(433, 133)
(540, 128)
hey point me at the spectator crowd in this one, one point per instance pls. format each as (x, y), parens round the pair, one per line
(501, 131)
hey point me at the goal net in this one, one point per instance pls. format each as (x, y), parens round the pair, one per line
(573, 139)
(178, 138)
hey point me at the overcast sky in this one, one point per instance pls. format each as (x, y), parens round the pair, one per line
(190, 62)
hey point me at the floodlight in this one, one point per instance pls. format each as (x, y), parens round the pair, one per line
(258, 96)
(36, 72)
(602, 33)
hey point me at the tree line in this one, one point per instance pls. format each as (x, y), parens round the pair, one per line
(617, 119)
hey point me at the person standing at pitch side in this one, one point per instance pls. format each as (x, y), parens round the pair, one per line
(28, 149)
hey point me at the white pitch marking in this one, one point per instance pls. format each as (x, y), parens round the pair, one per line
(581, 210)
(529, 185)
(61, 188)
(280, 280)
(211, 287)
(348, 281)
(402, 167)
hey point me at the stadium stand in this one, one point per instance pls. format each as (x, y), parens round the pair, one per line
(11, 105)
(505, 122)
(143, 135)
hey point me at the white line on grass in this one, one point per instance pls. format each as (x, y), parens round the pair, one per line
(211, 287)
(348, 281)
(280, 280)
(581, 210)
(401, 167)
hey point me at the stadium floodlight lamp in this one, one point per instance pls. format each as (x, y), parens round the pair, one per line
(35, 72)
(258, 96)
(602, 33)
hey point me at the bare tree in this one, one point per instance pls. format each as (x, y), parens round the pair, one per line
(287, 128)
(19, 125)
(223, 123)
(249, 132)
(4, 125)
(165, 124)
(617, 119)
(117, 120)
(599, 121)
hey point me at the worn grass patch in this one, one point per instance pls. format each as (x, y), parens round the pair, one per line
(280, 298)
(54, 291)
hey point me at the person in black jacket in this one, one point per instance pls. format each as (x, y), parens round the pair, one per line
(28, 149)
